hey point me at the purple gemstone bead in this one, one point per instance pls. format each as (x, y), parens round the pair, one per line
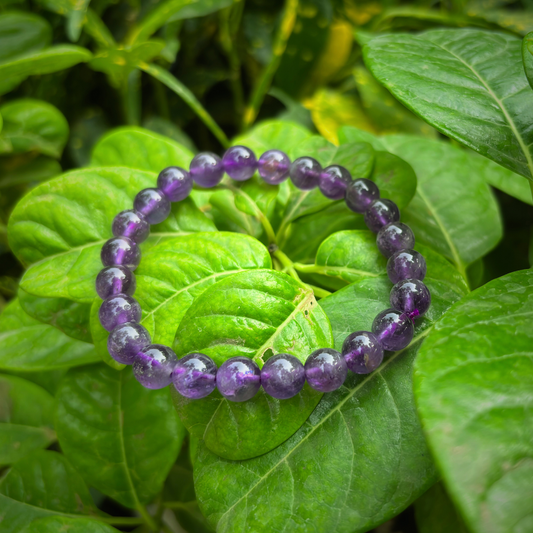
(360, 193)
(175, 182)
(273, 166)
(121, 251)
(126, 341)
(239, 163)
(132, 225)
(115, 280)
(406, 264)
(305, 173)
(395, 237)
(362, 352)
(119, 309)
(394, 329)
(325, 370)
(238, 379)
(153, 366)
(410, 296)
(283, 376)
(195, 376)
(153, 204)
(207, 169)
(333, 182)
(380, 213)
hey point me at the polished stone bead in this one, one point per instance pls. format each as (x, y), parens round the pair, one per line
(394, 329)
(273, 166)
(360, 193)
(238, 379)
(333, 182)
(131, 224)
(395, 237)
(380, 213)
(305, 173)
(406, 264)
(153, 366)
(362, 352)
(121, 251)
(325, 370)
(239, 163)
(194, 376)
(153, 204)
(175, 182)
(119, 309)
(410, 296)
(115, 280)
(126, 341)
(283, 376)
(206, 169)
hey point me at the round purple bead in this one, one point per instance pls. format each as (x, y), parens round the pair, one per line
(406, 264)
(121, 251)
(206, 169)
(119, 309)
(380, 213)
(394, 329)
(153, 366)
(360, 193)
(115, 280)
(362, 352)
(325, 370)
(239, 163)
(175, 182)
(305, 173)
(283, 376)
(153, 204)
(410, 296)
(333, 182)
(126, 341)
(395, 237)
(273, 166)
(194, 376)
(238, 379)
(132, 225)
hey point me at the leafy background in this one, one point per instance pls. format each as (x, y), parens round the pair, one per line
(431, 100)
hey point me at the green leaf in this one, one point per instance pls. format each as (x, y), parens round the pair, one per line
(54, 524)
(21, 33)
(473, 382)
(254, 314)
(26, 419)
(76, 19)
(468, 84)
(527, 56)
(41, 485)
(33, 125)
(169, 130)
(121, 437)
(29, 345)
(24, 169)
(360, 458)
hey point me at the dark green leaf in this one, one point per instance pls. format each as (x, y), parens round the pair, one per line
(168, 129)
(473, 384)
(49, 379)
(254, 314)
(21, 33)
(25, 169)
(55, 524)
(527, 56)
(76, 19)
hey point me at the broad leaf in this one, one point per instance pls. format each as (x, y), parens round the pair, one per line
(473, 384)
(121, 437)
(26, 418)
(469, 84)
(21, 33)
(254, 314)
(29, 345)
(53, 524)
(527, 56)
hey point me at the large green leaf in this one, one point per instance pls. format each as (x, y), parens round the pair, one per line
(527, 57)
(21, 33)
(254, 314)
(26, 418)
(54, 524)
(361, 456)
(29, 345)
(121, 437)
(469, 84)
(473, 384)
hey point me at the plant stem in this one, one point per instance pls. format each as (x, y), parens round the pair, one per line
(309, 269)
(280, 44)
(531, 185)
(319, 292)
(147, 518)
(131, 97)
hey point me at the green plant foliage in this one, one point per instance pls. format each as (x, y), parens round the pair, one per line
(22, 33)
(53, 524)
(527, 56)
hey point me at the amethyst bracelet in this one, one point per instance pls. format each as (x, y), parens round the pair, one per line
(283, 376)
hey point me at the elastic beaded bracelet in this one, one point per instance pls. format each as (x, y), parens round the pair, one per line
(283, 376)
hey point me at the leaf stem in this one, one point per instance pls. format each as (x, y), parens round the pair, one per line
(147, 518)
